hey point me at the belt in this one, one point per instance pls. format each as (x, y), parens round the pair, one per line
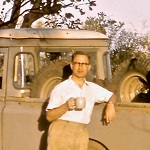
(71, 123)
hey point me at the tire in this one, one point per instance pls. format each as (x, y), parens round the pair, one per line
(130, 79)
(49, 76)
(96, 145)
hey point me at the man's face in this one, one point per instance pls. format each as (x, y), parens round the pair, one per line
(80, 66)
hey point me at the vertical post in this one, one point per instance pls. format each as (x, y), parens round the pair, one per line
(22, 69)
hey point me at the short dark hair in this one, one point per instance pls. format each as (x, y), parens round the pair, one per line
(80, 53)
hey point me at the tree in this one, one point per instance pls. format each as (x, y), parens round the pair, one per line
(28, 11)
(122, 44)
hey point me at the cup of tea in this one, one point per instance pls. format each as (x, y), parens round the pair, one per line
(80, 103)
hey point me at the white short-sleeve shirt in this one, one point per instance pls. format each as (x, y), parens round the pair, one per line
(68, 88)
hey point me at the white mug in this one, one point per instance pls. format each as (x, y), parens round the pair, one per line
(80, 102)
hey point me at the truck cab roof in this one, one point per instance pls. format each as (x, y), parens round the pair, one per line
(36, 33)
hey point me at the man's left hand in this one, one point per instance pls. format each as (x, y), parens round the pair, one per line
(109, 113)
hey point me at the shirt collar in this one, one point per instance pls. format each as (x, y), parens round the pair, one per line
(85, 81)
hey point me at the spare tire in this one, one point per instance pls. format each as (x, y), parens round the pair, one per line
(49, 76)
(130, 79)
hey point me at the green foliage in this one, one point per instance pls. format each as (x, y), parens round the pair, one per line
(122, 44)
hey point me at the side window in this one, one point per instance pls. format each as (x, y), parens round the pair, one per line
(46, 57)
(24, 70)
(1, 68)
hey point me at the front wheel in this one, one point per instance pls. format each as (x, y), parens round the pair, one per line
(96, 145)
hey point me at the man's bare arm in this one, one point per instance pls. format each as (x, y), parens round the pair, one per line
(55, 113)
(109, 113)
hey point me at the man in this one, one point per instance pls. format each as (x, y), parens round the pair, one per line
(68, 129)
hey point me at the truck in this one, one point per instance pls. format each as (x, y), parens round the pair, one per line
(34, 60)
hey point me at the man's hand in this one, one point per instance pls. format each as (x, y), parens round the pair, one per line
(109, 113)
(71, 103)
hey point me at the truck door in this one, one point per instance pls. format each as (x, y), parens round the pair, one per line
(23, 126)
(3, 68)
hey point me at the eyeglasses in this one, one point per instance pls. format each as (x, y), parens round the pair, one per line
(77, 64)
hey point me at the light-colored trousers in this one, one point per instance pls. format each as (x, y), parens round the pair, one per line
(66, 135)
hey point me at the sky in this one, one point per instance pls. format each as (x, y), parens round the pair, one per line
(134, 13)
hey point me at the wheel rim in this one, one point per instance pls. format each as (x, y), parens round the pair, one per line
(131, 87)
(48, 86)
